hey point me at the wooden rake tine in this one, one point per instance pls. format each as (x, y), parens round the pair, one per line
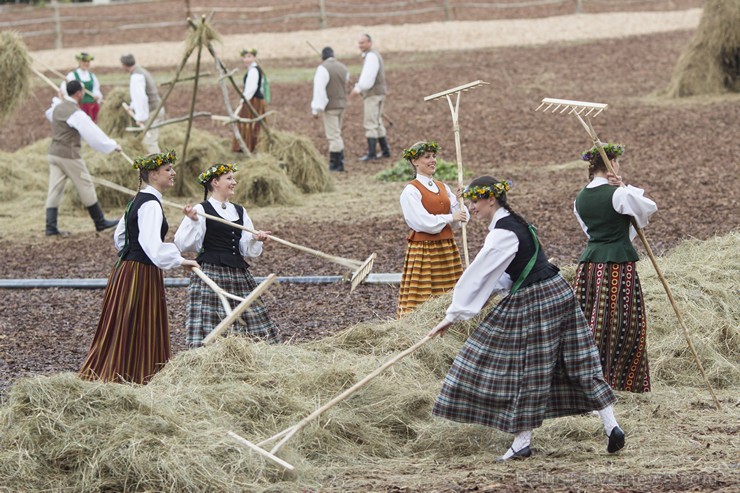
(288, 433)
(361, 269)
(592, 133)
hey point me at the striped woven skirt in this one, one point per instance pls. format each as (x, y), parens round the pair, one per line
(430, 268)
(205, 311)
(611, 299)
(132, 340)
(531, 358)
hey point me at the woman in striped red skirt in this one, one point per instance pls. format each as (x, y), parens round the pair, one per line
(432, 264)
(132, 340)
(221, 250)
(607, 285)
(532, 357)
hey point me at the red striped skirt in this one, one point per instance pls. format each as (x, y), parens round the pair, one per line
(430, 268)
(610, 296)
(132, 340)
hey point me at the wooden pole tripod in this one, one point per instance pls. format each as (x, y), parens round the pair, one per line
(455, 111)
(581, 110)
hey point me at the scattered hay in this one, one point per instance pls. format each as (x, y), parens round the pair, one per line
(306, 168)
(204, 34)
(15, 65)
(711, 62)
(113, 118)
(262, 182)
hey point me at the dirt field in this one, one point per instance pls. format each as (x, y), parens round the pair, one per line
(683, 153)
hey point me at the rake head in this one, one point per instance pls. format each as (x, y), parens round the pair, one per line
(255, 448)
(462, 88)
(362, 272)
(580, 108)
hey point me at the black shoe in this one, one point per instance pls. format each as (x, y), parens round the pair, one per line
(519, 454)
(616, 440)
(371, 154)
(51, 223)
(334, 164)
(101, 223)
(385, 149)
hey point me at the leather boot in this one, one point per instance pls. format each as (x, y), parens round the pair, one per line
(333, 161)
(101, 223)
(372, 142)
(386, 151)
(340, 161)
(51, 223)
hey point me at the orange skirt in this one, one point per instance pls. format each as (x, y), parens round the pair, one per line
(430, 268)
(250, 132)
(132, 340)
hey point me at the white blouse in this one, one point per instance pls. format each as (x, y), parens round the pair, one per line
(253, 78)
(163, 255)
(486, 275)
(189, 236)
(627, 200)
(421, 220)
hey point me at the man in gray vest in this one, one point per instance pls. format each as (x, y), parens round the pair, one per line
(68, 125)
(372, 87)
(144, 100)
(330, 99)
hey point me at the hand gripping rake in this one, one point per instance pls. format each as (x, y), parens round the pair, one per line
(455, 110)
(361, 269)
(288, 433)
(581, 110)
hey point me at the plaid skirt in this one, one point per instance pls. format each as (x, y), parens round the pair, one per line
(531, 358)
(205, 311)
(611, 299)
(132, 340)
(430, 268)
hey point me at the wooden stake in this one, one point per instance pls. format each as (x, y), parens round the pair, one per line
(180, 183)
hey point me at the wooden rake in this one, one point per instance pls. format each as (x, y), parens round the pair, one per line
(582, 111)
(288, 433)
(455, 111)
(360, 269)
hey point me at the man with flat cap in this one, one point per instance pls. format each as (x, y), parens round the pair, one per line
(330, 99)
(144, 100)
(91, 85)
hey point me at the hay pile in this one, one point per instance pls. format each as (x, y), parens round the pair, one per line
(113, 118)
(306, 168)
(711, 62)
(15, 67)
(263, 182)
(62, 433)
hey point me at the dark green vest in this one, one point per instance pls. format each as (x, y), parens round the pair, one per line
(87, 84)
(608, 230)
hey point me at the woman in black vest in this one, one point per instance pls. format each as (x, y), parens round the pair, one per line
(607, 285)
(221, 250)
(533, 356)
(132, 340)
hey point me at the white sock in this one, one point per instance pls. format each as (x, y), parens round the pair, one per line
(522, 440)
(607, 417)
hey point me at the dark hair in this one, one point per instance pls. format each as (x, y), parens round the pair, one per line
(489, 181)
(73, 87)
(128, 60)
(368, 37)
(207, 187)
(327, 52)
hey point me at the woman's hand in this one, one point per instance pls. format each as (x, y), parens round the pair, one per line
(189, 264)
(440, 329)
(459, 216)
(262, 235)
(614, 180)
(189, 211)
(458, 193)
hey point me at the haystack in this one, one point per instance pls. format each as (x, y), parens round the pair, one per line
(711, 62)
(261, 181)
(15, 65)
(306, 168)
(113, 118)
(63, 433)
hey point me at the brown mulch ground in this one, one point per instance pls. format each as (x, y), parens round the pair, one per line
(684, 155)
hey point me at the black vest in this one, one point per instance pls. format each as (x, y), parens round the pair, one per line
(258, 93)
(221, 242)
(132, 249)
(541, 270)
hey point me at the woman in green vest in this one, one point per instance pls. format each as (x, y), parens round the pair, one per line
(93, 97)
(607, 285)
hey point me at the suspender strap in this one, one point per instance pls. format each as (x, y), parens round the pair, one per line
(531, 262)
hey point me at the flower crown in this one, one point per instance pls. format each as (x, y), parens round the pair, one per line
(84, 57)
(419, 149)
(217, 169)
(154, 161)
(251, 51)
(612, 151)
(485, 191)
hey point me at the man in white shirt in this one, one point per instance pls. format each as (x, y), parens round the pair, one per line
(144, 100)
(330, 99)
(68, 124)
(371, 86)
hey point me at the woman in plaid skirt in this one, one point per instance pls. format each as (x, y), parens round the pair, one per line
(221, 250)
(607, 285)
(132, 340)
(533, 356)
(432, 264)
